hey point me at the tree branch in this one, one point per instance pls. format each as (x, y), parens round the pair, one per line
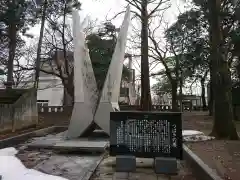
(157, 7)
(135, 3)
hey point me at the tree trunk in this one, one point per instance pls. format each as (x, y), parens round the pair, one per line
(211, 85)
(69, 90)
(67, 99)
(180, 93)
(224, 127)
(40, 44)
(204, 104)
(211, 100)
(12, 49)
(64, 41)
(174, 96)
(145, 83)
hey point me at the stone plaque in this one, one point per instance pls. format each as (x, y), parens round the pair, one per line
(146, 134)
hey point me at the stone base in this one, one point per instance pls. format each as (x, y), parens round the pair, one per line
(57, 142)
(125, 163)
(121, 176)
(165, 166)
(102, 116)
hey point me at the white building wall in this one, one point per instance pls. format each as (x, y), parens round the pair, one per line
(51, 89)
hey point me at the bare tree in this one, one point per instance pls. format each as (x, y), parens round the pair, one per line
(160, 47)
(39, 48)
(144, 10)
(19, 75)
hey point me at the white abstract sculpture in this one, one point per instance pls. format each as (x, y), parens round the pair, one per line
(87, 111)
(111, 88)
(85, 88)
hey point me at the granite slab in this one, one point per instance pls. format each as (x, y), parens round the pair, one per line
(58, 142)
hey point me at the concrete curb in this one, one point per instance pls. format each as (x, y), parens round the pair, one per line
(13, 141)
(200, 170)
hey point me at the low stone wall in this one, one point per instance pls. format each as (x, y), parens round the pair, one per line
(60, 115)
(157, 108)
(55, 115)
(20, 114)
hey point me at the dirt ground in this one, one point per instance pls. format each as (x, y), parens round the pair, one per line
(222, 156)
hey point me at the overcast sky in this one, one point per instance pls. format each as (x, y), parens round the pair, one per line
(101, 9)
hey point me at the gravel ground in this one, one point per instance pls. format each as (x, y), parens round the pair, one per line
(71, 166)
(105, 171)
(31, 158)
(144, 171)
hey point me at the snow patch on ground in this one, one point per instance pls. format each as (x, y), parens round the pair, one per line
(11, 168)
(195, 136)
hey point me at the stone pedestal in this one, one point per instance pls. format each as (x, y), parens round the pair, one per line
(165, 166)
(125, 163)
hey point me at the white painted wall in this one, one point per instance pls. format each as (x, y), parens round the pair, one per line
(51, 89)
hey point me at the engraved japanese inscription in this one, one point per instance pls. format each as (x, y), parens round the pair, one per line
(147, 136)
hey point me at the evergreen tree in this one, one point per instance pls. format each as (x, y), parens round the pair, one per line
(16, 16)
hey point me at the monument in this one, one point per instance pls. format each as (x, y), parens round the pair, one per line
(85, 92)
(111, 88)
(87, 112)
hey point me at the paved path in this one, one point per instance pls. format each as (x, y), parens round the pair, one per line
(105, 171)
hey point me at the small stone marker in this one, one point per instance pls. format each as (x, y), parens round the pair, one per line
(165, 166)
(125, 163)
